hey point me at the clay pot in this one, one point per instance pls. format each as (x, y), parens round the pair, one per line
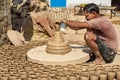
(103, 76)
(72, 69)
(72, 77)
(84, 68)
(54, 78)
(46, 73)
(53, 72)
(111, 75)
(6, 78)
(78, 71)
(49, 66)
(70, 66)
(115, 67)
(118, 74)
(91, 65)
(98, 71)
(60, 69)
(91, 69)
(38, 73)
(77, 75)
(84, 77)
(24, 75)
(99, 67)
(44, 77)
(63, 77)
(85, 73)
(94, 77)
(108, 68)
(65, 68)
(78, 66)
(58, 66)
(67, 73)
(11, 78)
(92, 72)
(5, 74)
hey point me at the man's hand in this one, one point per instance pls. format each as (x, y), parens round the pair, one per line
(64, 21)
(60, 21)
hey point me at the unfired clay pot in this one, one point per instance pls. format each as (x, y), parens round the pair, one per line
(72, 77)
(115, 67)
(62, 77)
(44, 77)
(84, 78)
(108, 68)
(103, 76)
(111, 75)
(118, 74)
(94, 77)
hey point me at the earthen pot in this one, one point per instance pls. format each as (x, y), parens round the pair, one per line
(115, 67)
(72, 77)
(108, 68)
(111, 75)
(103, 76)
(94, 77)
(63, 77)
(118, 74)
(84, 77)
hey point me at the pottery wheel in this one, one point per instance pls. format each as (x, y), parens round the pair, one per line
(39, 55)
(57, 52)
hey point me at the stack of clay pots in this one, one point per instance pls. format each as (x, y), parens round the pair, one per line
(59, 14)
(15, 66)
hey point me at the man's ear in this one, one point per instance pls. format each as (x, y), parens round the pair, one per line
(94, 12)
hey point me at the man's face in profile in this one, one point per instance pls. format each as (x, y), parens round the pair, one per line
(89, 16)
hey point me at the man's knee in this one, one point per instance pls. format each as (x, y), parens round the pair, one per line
(89, 36)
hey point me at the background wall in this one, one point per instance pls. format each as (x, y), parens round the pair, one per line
(71, 3)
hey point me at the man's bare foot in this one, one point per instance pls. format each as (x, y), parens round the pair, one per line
(99, 61)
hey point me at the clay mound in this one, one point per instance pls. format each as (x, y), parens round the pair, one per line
(58, 45)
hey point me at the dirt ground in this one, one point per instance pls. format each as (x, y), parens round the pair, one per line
(116, 22)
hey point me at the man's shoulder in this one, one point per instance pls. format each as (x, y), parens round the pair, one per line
(99, 19)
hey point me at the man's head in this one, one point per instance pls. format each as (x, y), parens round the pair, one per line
(91, 11)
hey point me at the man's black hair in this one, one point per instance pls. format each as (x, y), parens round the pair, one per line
(91, 7)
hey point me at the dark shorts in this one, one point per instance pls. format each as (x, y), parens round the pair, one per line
(107, 53)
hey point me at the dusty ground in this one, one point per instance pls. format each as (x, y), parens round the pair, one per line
(116, 22)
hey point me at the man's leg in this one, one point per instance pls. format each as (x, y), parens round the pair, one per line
(90, 40)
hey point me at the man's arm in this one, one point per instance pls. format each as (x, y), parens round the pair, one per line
(76, 25)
